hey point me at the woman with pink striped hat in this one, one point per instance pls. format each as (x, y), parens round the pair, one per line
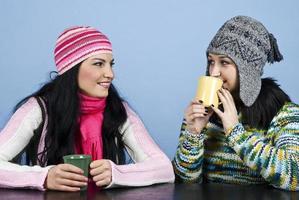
(79, 112)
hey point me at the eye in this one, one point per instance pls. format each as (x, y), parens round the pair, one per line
(211, 62)
(112, 64)
(224, 62)
(100, 64)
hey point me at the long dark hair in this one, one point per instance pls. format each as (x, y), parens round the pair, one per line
(269, 101)
(61, 100)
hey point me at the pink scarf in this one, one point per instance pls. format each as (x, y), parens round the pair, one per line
(89, 139)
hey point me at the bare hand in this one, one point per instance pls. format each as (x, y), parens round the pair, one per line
(101, 172)
(65, 177)
(197, 116)
(229, 117)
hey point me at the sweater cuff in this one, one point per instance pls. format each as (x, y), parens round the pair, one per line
(44, 178)
(193, 137)
(236, 135)
(192, 140)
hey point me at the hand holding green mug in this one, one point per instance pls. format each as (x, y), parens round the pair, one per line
(81, 161)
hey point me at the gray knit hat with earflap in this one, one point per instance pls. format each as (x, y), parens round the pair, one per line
(248, 43)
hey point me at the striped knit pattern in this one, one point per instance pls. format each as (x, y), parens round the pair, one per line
(76, 44)
(246, 156)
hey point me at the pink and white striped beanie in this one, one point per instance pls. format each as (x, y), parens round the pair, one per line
(78, 43)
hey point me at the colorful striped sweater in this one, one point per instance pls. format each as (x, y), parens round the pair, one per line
(246, 156)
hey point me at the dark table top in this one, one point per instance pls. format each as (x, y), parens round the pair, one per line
(211, 191)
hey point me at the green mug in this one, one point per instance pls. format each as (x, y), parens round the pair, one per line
(81, 161)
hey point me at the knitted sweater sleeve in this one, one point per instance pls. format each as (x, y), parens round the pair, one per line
(150, 165)
(276, 159)
(13, 138)
(188, 159)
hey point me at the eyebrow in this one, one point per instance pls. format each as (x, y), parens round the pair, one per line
(223, 56)
(103, 60)
(220, 56)
(99, 59)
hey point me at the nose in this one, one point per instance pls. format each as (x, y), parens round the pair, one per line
(215, 70)
(108, 73)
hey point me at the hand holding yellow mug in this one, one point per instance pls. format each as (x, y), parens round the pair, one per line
(207, 90)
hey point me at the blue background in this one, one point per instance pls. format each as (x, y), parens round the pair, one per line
(159, 48)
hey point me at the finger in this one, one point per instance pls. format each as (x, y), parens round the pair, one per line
(210, 113)
(223, 100)
(230, 101)
(71, 183)
(189, 110)
(195, 109)
(97, 163)
(104, 182)
(73, 176)
(217, 111)
(197, 115)
(201, 110)
(229, 94)
(102, 176)
(225, 94)
(68, 188)
(99, 170)
(70, 168)
(195, 101)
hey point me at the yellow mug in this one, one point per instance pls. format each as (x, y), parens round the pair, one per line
(207, 90)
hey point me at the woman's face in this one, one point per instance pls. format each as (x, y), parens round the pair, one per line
(96, 74)
(224, 68)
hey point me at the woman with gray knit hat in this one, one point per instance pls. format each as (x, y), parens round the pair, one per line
(253, 137)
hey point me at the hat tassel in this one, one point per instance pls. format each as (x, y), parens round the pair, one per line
(274, 54)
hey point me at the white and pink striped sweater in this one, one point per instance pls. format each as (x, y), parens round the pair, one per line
(151, 164)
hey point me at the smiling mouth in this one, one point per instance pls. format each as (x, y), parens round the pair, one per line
(104, 84)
